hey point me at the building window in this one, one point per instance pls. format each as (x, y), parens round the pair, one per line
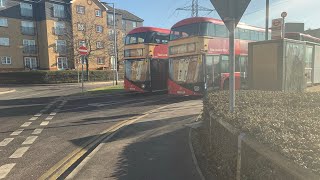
(62, 63)
(30, 63)
(58, 11)
(82, 43)
(2, 3)
(27, 28)
(134, 24)
(3, 22)
(4, 41)
(98, 13)
(6, 60)
(111, 34)
(29, 46)
(110, 19)
(100, 45)
(80, 9)
(101, 60)
(59, 28)
(99, 29)
(26, 9)
(124, 24)
(61, 46)
(81, 27)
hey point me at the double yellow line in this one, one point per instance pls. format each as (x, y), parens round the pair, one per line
(71, 159)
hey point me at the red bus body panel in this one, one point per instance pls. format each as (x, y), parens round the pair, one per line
(128, 86)
(174, 88)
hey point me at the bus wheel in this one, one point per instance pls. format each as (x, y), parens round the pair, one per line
(226, 85)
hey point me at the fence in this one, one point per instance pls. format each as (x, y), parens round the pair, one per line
(238, 156)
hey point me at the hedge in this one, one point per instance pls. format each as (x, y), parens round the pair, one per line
(40, 77)
(288, 123)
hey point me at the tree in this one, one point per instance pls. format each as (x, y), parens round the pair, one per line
(89, 30)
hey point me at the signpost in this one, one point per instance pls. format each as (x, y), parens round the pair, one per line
(231, 12)
(284, 15)
(83, 51)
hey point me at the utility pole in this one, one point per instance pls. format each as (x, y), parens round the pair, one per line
(267, 18)
(195, 8)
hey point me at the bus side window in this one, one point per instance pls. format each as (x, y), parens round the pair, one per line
(254, 36)
(224, 64)
(211, 30)
(221, 31)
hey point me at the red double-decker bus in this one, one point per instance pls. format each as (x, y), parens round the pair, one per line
(199, 55)
(146, 59)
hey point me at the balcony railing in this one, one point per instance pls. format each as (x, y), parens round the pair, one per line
(28, 30)
(26, 12)
(58, 31)
(62, 49)
(30, 49)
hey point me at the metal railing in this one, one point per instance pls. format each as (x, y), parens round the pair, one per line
(30, 49)
(28, 30)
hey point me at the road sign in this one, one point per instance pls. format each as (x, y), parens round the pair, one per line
(230, 9)
(284, 14)
(83, 50)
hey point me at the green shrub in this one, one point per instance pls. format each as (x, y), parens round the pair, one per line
(287, 122)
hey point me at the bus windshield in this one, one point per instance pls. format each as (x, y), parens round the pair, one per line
(137, 70)
(185, 69)
(147, 37)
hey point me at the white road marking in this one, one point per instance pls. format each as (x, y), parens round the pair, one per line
(26, 124)
(53, 113)
(49, 118)
(5, 169)
(44, 123)
(33, 118)
(19, 152)
(38, 115)
(37, 131)
(16, 132)
(6, 141)
(30, 140)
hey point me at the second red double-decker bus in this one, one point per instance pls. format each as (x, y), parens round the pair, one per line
(199, 55)
(146, 59)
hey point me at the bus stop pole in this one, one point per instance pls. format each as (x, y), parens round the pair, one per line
(82, 75)
(232, 64)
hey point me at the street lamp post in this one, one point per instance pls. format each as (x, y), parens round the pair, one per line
(267, 18)
(115, 44)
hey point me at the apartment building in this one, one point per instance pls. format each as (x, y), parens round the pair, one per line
(125, 22)
(90, 29)
(30, 34)
(46, 34)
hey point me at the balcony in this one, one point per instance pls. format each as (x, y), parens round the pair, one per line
(28, 31)
(30, 49)
(62, 49)
(58, 31)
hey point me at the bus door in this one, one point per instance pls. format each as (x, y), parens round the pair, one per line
(159, 74)
(212, 71)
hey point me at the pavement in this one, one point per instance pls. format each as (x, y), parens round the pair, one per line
(42, 125)
(155, 147)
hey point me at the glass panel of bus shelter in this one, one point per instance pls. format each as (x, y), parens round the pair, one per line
(137, 70)
(212, 71)
(309, 58)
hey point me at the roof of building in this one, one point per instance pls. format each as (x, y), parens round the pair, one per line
(148, 29)
(125, 14)
(212, 20)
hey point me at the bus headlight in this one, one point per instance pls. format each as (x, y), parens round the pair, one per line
(143, 86)
(196, 88)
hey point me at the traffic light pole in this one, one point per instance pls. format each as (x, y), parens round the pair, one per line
(267, 19)
(232, 99)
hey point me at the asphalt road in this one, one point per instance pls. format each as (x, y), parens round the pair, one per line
(41, 125)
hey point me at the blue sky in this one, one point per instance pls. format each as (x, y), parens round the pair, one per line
(162, 13)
